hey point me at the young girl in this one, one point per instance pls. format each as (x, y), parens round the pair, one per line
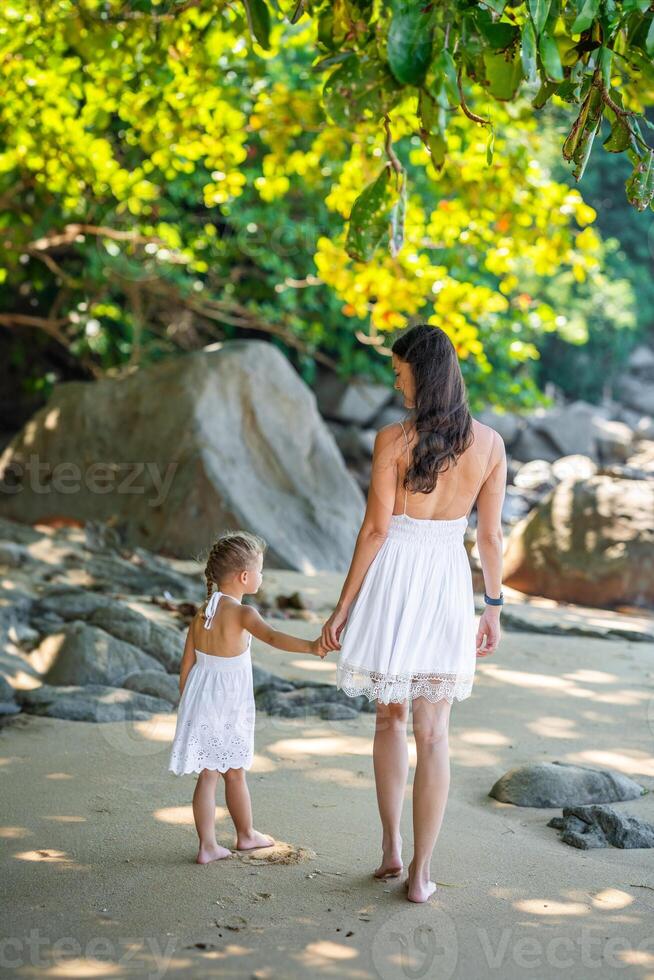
(214, 734)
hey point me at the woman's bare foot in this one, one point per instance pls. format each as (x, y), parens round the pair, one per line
(245, 842)
(212, 852)
(391, 866)
(418, 889)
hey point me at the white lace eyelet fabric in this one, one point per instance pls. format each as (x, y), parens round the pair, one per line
(215, 716)
(411, 631)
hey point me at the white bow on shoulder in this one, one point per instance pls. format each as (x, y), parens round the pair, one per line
(210, 610)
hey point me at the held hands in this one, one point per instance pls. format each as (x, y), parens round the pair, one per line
(318, 649)
(331, 631)
(489, 629)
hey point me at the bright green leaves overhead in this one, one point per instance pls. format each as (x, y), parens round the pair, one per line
(579, 143)
(361, 87)
(258, 21)
(370, 215)
(640, 186)
(409, 41)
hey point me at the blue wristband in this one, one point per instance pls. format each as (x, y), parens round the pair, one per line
(494, 602)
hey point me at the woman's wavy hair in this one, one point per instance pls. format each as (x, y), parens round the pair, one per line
(441, 415)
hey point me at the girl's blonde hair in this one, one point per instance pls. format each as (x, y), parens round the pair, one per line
(231, 552)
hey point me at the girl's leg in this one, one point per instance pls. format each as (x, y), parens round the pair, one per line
(237, 798)
(430, 789)
(391, 764)
(204, 814)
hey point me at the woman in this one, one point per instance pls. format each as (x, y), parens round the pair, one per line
(405, 620)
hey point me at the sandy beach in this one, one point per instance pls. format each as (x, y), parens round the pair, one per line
(99, 842)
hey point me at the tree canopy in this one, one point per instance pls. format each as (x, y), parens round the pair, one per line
(166, 180)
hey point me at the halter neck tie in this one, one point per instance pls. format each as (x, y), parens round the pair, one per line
(210, 610)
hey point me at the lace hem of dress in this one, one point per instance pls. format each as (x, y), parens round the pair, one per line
(355, 681)
(208, 750)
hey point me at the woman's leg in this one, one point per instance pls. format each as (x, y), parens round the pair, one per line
(430, 789)
(391, 764)
(204, 814)
(237, 798)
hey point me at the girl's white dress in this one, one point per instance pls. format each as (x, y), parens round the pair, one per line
(411, 630)
(216, 712)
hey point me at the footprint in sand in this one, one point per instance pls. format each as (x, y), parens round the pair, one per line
(280, 853)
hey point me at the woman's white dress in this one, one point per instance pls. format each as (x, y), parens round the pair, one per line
(216, 712)
(411, 630)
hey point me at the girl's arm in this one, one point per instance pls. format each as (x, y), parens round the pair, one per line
(188, 659)
(255, 624)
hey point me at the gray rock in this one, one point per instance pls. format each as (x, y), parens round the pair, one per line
(571, 428)
(637, 394)
(588, 541)
(264, 680)
(602, 826)
(506, 423)
(225, 437)
(335, 712)
(535, 475)
(156, 683)
(644, 428)
(533, 445)
(164, 643)
(614, 440)
(547, 784)
(9, 708)
(577, 465)
(308, 698)
(94, 702)
(6, 689)
(515, 506)
(351, 401)
(641, 361)
(356, 444)
(88, 655)
(14, 555)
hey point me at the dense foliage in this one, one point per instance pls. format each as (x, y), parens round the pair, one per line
(166, 182)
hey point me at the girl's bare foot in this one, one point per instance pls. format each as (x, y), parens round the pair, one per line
(245, 842)
(418, 889)
(391, 866)
(212, 852)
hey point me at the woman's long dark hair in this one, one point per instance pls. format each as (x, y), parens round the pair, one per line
(441, 415)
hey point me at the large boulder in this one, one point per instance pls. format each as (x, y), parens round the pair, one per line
(545, 784)
(83, 654)
(589, 541)
(94, 702)
(227, 437)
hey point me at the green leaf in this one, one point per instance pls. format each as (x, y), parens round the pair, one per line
(640, 186)
(586, 16)
(490, 147)
(361, 88)
(619, 138)
(369, 218)
(258, 17)
(579, 142)
(398, 215)
(549, 53)
(544, 93)
(605, 59)
(444, 65)
(409, 44)
(529, 51)
(649, 40)
(539, 9)
(503, 76)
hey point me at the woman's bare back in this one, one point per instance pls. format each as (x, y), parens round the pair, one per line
(458, 487)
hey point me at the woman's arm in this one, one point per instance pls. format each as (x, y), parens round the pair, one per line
(379, 507)
(188, 658)
(490, 545)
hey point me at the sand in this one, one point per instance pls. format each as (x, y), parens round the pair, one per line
(98, 869)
